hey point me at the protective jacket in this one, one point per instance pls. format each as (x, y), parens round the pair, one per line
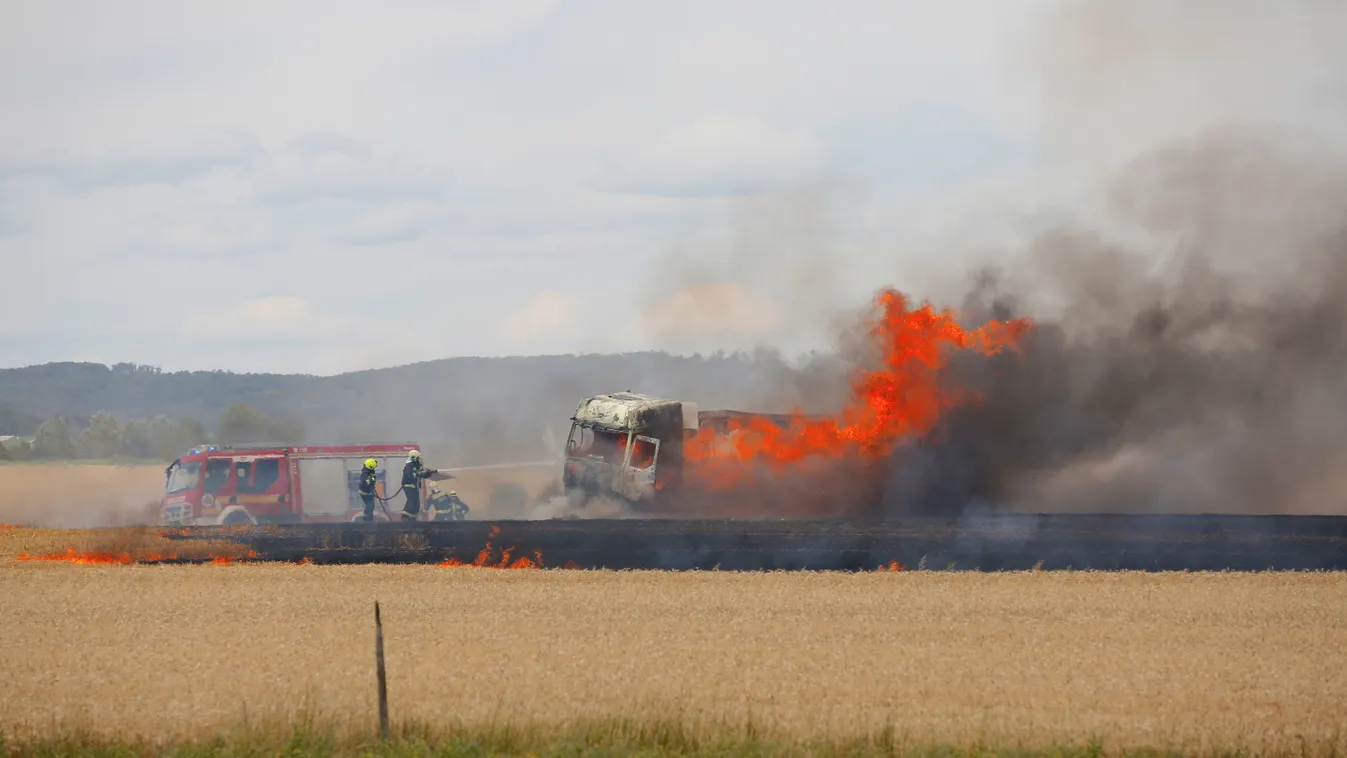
(368, 477)
(413, 473)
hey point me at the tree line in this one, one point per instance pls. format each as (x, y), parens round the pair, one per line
(102, 436)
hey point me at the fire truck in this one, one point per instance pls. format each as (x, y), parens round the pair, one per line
(273, 484)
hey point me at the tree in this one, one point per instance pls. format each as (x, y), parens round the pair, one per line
(174, 437)
(138, 440)
(243, 424)
(102, 439)
(53, 440)
(287, 430)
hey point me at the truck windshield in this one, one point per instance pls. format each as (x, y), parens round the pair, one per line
(183, 476)
(588, 442)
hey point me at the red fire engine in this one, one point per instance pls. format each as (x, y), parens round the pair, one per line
(271, 484)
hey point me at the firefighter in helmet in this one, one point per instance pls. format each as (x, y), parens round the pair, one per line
(413, 473)
(367, 479)
(446, 507)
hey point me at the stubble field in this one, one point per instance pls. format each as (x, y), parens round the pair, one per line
(1199, 662)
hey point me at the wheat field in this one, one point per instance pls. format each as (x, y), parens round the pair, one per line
(1192, 661)
(80, 495)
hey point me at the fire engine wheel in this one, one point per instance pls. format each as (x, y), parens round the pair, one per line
(237, 518)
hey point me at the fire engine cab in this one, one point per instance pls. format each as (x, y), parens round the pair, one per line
(270, 484)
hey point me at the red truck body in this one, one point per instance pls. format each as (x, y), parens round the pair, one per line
(276, 484)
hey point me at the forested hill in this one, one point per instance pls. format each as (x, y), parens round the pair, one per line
(475, 409)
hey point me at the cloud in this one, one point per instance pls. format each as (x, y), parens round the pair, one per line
(711, 310)
(548, 314)
(722, 154)
(270, 319)
(393, 165)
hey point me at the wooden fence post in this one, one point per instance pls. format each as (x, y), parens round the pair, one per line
(383, 682)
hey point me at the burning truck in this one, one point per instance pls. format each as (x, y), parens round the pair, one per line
(665, 457)
(660, 457)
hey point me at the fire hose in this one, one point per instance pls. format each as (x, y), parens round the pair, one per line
(383, 501)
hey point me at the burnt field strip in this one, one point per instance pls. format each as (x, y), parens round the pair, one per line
(985, 543)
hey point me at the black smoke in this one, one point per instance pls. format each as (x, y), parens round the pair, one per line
(1198, 365)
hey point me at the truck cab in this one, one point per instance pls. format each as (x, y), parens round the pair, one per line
(626, 446)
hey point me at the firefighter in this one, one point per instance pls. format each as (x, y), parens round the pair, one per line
(450, 505)
(367, 480)
(413, 473)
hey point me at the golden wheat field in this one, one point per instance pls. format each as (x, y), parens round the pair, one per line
(1182, 660)
(80, 495)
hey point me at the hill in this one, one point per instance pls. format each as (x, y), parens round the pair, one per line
(473, 409)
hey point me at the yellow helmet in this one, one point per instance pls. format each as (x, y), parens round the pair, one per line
(371, 463)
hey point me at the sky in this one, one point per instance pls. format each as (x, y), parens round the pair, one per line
(322, 187)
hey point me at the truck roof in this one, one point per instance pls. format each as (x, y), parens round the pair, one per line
(621, 410)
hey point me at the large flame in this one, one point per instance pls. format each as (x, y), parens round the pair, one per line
(903, 398)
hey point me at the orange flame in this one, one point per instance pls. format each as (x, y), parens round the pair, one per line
(892, 566)
(904, 398)
(485, 560)
(71, 555)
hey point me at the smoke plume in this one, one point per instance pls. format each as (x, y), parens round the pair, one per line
(1190, 351)
(1206, 377)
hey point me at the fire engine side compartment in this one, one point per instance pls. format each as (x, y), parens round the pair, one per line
(329, 482)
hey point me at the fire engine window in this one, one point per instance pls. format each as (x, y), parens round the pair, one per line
(242, 472)
(642, 454)
(184, 476)
(265, 474)
(217, 475)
